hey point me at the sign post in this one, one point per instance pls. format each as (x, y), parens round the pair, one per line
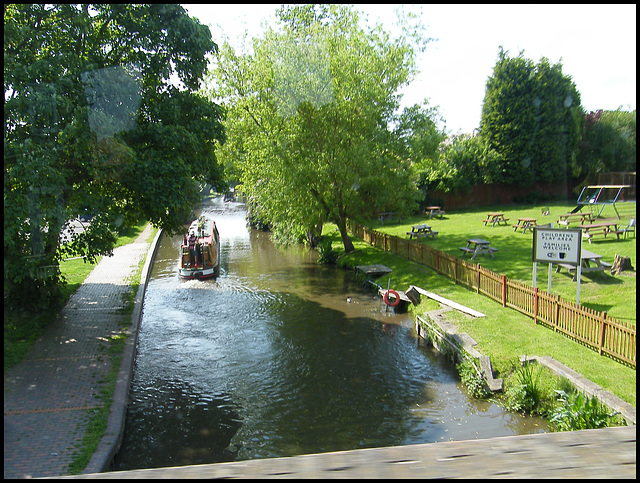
(557, 245)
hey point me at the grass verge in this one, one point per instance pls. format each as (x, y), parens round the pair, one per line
(97, 424)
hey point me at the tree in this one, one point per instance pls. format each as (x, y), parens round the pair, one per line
(93, 121)
(608, 143)
(463, 162)
(532, 118)
(308, 120)
(418, 137)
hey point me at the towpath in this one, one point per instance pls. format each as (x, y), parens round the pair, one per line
(51, 394)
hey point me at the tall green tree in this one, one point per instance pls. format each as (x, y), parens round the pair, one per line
(532, 117)
(93, 121)
(308, 119)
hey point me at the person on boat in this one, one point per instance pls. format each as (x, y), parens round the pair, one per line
(192, 249)
(198, 250)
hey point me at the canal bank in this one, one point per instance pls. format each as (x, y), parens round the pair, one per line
(283, 356)
(50, 396)
(110, 442)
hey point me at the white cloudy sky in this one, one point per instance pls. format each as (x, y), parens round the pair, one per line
(596, 45)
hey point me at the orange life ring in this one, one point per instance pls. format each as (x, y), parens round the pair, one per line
(386, 298)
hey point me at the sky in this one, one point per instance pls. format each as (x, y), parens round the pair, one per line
(596, 45)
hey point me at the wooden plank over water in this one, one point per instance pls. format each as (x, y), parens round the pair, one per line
(448, 303)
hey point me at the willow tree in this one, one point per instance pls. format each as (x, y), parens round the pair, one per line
(308, 113)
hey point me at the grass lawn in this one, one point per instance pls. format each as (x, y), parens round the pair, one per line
(505, 334)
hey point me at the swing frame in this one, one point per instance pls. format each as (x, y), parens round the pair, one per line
(595, 198)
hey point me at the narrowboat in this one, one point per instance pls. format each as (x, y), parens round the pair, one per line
(200, 249)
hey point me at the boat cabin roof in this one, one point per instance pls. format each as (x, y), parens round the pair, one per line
(207, 229)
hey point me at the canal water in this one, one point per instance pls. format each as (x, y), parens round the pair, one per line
(280, 356)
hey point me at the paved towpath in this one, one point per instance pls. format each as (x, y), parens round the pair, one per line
(50, 395)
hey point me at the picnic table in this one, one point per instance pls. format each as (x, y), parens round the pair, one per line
(434, 211)
(494, 218)
(589, 261)
(603, 228)
(419, 231)
(584, 217)
(478, 246)
(525, 224)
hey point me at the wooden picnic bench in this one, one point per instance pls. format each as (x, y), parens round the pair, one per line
(494, 218)
(590, 262)
(604, 228)
(564, 220)
(525, 224)
(434, 211)
(478, 246)
(420, 231)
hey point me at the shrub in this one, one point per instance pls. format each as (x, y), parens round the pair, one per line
(580, 412)
(326, 253)
(475, 384)
(526, 394)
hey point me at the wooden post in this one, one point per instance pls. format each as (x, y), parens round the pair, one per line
(455, 270)
(556, 316)
(535, 306)
(504, 290)
(478, 281)
(601, 342)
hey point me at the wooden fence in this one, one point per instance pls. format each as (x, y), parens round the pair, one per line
(594, 329)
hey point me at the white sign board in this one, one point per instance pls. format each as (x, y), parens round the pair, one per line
(557, 245)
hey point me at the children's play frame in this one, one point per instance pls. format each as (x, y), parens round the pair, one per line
(602, 195)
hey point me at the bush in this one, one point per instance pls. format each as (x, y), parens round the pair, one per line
(326, 254)
(475, 384)
(580, 412)
(526, 394)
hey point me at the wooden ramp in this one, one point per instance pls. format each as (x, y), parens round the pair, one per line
(447, 302)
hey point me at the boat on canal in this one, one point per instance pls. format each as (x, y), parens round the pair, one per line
(200, 249)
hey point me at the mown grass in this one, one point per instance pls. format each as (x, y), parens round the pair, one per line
(615, 295)
(506, 334)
